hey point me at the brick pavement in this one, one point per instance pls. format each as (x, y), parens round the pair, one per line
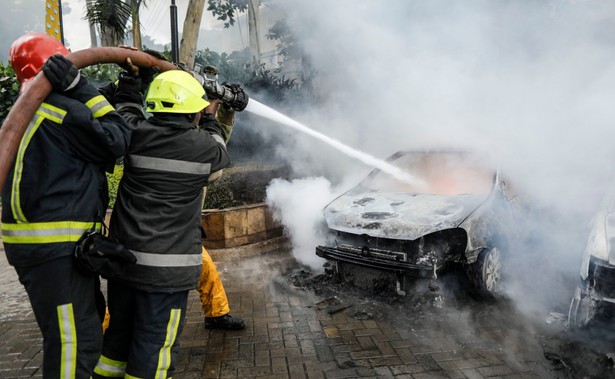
(287, 336)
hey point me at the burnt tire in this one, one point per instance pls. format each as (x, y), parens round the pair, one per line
(582, 310)
(487, 272)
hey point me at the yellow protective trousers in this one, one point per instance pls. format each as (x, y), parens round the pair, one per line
(210, 289)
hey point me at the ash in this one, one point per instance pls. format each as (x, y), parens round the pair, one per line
(444, 306)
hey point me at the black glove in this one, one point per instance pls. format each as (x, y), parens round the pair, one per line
(147, 73)
(62, 74)
(128, 89)
(108, 91)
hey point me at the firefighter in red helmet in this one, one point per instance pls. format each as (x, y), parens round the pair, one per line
(29, 52)
(55, 192)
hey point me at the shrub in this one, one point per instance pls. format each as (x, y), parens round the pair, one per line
(113, 181)
(242, 185)
(9, 89)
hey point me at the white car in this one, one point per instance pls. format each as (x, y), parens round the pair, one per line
(594, 298)
(460, 214)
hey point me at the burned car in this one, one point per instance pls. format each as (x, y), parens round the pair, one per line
(456, 214)
(593, 302)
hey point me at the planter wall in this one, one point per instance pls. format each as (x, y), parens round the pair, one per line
(239, 226)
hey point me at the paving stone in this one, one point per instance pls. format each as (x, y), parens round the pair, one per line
(406, 369)
(472, 373)
(406, 355)
(495, 370)
(286, 336)
(341, 373)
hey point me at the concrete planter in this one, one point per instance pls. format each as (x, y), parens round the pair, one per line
(245, 230)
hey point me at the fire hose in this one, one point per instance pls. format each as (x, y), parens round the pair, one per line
(24, 109)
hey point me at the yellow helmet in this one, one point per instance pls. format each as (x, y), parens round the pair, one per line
(175, 91)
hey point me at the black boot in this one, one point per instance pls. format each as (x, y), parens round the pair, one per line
(224, 322)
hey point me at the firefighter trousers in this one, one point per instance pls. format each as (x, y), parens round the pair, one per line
(63, 301)
(210, 289)
(144, 328)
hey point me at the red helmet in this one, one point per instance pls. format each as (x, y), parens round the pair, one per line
(29, 52)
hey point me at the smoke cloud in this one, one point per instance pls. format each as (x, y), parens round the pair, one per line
(530, 82)
(298, 206)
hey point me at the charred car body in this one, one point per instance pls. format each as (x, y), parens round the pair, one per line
(458, 214)
(594, 299)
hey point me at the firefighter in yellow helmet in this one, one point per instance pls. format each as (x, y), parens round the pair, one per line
(157, 215)
(211, 291)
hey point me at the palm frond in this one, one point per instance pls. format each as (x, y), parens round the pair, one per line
(110, 15)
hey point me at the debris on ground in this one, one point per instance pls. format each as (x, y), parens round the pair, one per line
(430, 303)
(331, 305)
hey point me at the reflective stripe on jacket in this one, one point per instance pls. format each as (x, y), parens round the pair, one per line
(46, 232)
(157, 213)
(56, 188)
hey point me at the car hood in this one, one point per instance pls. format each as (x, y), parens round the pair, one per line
(401, 216)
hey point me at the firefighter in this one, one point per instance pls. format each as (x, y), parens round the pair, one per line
(214, 300)
(56, 191)
(211, 291)
(158, 216)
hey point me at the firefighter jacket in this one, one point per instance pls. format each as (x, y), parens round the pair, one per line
(56, 188)
(157, 213)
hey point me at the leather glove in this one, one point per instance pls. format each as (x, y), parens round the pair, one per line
(128, 89)
(147, 73)
(62, 74)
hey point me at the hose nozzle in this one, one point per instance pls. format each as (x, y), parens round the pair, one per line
(232, 95)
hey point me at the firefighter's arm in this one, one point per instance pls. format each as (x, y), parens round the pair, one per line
(226, 119)
(212, 141)
(97, 132)
(217, 119)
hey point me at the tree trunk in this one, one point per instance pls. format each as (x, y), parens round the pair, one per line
(190, 34)
(112, 25)
(93, 42)
(136, 26)
(109, 38)
(254, 28)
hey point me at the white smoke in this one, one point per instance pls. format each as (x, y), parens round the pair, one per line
(533, 82)
(298, 205)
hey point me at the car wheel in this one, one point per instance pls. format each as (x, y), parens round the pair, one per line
(582, 310)
(488, 271)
